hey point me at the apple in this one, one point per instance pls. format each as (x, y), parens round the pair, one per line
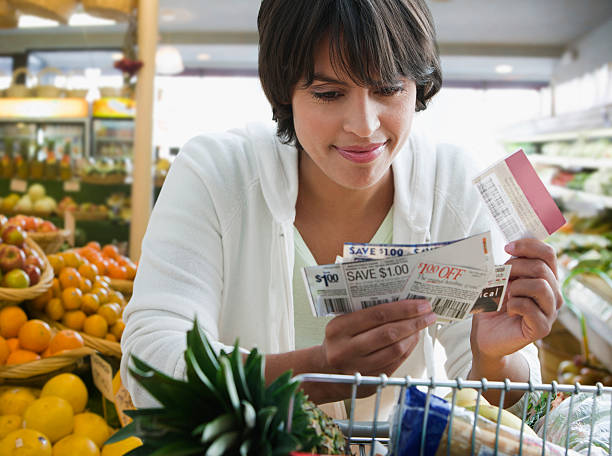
(11, 257)
(34, 260)
(14, 235)
(33, 272)
(16, 278)
(47, 227)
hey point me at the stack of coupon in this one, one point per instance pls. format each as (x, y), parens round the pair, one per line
(459, 277)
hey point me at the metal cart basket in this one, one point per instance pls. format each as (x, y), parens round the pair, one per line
(368, 433)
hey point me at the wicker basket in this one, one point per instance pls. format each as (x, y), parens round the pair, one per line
(8, 15)
(106, 347)
(50, 242)
(56, 10)
(111, 179)
(118, 10)
(9, 296)
(124, 286)
(44, 365)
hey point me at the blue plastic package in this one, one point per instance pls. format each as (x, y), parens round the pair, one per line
(413, 413)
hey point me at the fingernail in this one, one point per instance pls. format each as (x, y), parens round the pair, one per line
(424, 307)
(431, 318)
(510, 247)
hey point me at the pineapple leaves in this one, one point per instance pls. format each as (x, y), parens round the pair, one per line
(178, 448)
(223, 444)
(203, 351)
(216, 427)
(123, 433)
(228, 379)
(238, 371)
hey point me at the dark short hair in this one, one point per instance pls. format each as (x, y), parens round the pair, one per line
(373, 41)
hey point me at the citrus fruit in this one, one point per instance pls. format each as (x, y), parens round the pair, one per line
(88, 271)
(74, 319)
(122, 447)
(90, 303)
(66, 339)
(38, 303)
(34, 335)
(13, 344)
(21, 356)
(69, 277)
(92, 426)
(111, 312)
(110, 337)
(72, 259)
(5, 350)
(95, 325)
(86, 285)
(26, 442)
(116, 271)
(57, 262)
(69, 387)
(117, 329)
(56, 288)
(11, 319)
(94, 245)
(71, 298)
(50, 415)
(75, 445)
(102, 292)
(110, 251)
(54, 309)
(15, 400)
(9, 423)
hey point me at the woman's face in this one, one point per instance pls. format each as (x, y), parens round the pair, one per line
(351, 133)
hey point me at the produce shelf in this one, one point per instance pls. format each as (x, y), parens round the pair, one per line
(570, 162)
(602, 201)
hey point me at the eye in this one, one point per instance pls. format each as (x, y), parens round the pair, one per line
(326, 96)
(389, 91)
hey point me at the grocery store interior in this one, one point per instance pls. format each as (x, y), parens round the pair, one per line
(97, 98)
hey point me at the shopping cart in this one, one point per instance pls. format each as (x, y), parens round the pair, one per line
(368, 433)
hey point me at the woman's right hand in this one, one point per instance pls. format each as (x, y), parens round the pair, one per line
(376, 340)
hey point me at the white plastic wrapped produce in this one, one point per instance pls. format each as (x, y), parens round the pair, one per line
(583, 414)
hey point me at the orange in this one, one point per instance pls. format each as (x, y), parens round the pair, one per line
(5, 350)
(71, 298)
(11, 320)
(86, 285)
(35, 335)
(70, 277)
(117, 296)
(56, 288)
(57, 262)
(88, 271)
(111, 337)
(72, 258)
(130, 268)
(101, 265)
(66, 339)
(117, 329)
(13, 344)
(103, 294)
(110, 311)
(94, 245)
(90, 303)
(74, 319)
(110, 251)
(95, 325)
(54, 309)
(117, 272)
(38, 303)
(46, 353)
(104, 279)
(22, 356)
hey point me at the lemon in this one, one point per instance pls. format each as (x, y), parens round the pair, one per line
(73, 445)
(25, 442)
(14, 401)
(69, 387)
(9, 423)
(50, 415)
(92, 426)
(122, 447)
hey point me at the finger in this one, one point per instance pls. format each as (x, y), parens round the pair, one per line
(532, 268)
(389, 334)
(532, 248)
(539, 291)
(535, 324)
(390, 357)
(366, 319)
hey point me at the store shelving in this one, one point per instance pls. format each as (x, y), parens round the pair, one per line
(570, 162)
(602, 201)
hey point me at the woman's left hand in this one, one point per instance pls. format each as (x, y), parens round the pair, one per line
(530, 307)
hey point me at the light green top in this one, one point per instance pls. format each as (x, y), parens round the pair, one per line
(310, 330)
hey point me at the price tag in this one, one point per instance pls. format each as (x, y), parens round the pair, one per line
(72, 186)
(102, 374)
(70, 225)
(18, 185)
(123, 400)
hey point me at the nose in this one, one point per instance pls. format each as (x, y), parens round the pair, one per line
(361, 116)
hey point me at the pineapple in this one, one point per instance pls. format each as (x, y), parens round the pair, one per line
(224, 407)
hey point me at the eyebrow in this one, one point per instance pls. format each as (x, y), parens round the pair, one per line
(323, 78)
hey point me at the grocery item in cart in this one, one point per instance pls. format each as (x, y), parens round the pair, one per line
(413, 413)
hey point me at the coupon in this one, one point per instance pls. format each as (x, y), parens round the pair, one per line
(518, 200)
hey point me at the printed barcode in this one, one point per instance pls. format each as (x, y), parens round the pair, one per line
(413, 296)
(375, 302)
(499, 210)
(450, 308)
(336, 305)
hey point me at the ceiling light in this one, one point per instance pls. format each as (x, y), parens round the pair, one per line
(116, 56)
(203, 57)
(503, 69)
(27, 21)
(84, 19)
(168, 60)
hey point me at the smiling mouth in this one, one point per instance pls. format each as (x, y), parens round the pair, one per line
(362, 154)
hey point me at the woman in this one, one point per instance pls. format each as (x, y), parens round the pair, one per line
(241, 213)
